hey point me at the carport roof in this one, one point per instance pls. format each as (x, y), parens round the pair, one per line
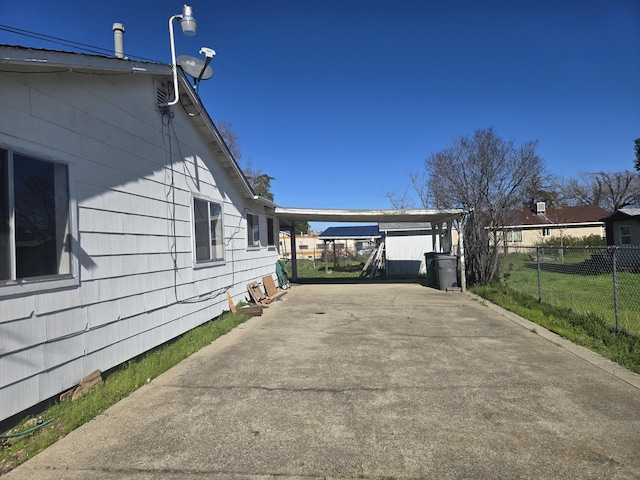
(287, 216)
(351, 232)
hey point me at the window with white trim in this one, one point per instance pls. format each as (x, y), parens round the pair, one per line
(35, 231)
(208, 237)
(253, 230)
(546, 232)
(625, 235)
(513, 236)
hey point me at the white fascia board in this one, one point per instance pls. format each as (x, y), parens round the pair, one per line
(264, 201)
(345, 215)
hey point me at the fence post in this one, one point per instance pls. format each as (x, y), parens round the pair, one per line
(538, 265)
(615, 288)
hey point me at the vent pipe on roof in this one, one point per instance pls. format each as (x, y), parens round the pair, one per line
(118, 39)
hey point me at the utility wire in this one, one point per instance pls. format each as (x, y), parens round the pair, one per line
(67, 43)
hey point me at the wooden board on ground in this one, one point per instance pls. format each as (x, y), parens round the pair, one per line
(256, 294)
(269, 286)
(254, 311)
(231, 304)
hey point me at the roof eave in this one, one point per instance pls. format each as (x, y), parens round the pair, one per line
(33, 57)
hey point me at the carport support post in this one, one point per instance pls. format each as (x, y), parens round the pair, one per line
(294, 260)
(326, 258)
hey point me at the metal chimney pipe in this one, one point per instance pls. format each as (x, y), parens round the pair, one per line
(118, 39)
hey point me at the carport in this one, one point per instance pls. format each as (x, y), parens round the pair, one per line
(288, 216)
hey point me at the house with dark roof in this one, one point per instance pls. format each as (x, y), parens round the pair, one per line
(528, 228)
(623, 227)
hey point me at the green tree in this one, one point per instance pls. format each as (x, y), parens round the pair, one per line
(302, 228)
(259, 181)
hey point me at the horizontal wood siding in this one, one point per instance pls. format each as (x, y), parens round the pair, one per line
(133, 180)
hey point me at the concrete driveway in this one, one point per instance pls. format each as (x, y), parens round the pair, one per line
(368, 381)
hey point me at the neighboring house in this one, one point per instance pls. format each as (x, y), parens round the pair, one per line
(307, 246)
(528, 228)
(407, 243)
(122, 224)
(623, 227)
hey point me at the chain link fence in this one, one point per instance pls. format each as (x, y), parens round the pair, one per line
(601, 281)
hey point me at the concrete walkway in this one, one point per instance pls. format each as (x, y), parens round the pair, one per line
(368, 381)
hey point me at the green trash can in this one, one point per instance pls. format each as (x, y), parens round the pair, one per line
(430, 264)
(447, 268)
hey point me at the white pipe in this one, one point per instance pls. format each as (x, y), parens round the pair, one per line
(118, 39)
(174, 68)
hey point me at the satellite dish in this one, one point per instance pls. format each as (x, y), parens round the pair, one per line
(195, 67)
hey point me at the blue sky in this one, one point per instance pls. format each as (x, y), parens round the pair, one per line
(338, 100)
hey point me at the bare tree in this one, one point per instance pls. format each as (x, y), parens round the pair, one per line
(489, 177)
(583, 191)
(543, 188)
(400, 200)
(419, 182)
(259, 181)
(609, 190)
(636, 148)
(231, 138)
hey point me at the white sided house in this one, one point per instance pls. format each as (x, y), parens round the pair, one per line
(122, 224)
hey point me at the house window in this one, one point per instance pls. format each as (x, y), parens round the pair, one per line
(513, 236)
(34, 218)
(625, 235)
(546, 232)
(207, 221)
(271, 238)
(253, 230)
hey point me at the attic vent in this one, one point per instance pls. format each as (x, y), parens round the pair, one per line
(162, 93)
(541, 207)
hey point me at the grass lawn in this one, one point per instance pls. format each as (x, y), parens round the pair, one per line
(346, 269)
(588, 330)
(572, 283)
(63, 417)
